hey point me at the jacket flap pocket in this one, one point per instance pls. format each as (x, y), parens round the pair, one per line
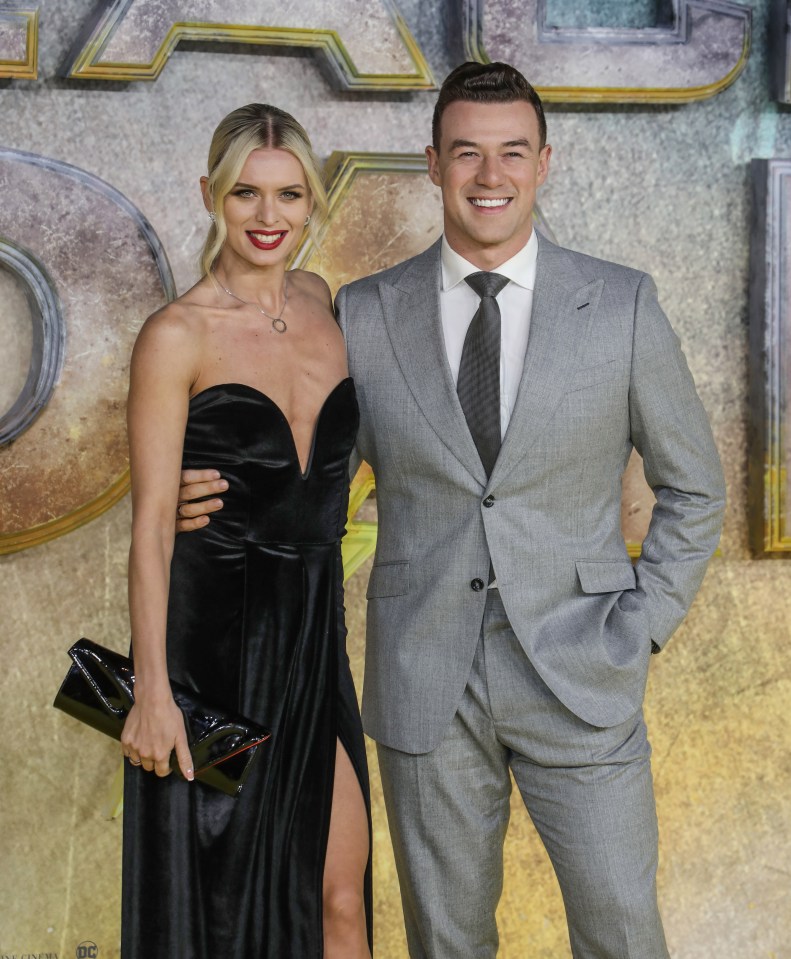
(605, 577)
(388, 579)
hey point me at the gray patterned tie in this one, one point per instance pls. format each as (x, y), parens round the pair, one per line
(478, 385)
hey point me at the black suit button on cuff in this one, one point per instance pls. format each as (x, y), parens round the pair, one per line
(489, 501)
(477, 585)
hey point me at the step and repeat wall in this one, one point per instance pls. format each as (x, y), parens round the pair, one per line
(669, 127)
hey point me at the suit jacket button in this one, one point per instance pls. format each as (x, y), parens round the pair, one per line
(477, 585)
(489, 501)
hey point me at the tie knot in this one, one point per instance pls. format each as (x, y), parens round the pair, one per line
(486, 284)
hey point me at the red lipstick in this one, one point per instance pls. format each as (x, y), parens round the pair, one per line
(277, 237)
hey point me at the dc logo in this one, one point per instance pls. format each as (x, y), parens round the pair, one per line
(87, 950)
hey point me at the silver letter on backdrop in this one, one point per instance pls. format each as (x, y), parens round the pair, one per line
(699, 54)
(367, 44)
(94, 269)
(47, 341)
(780, 50)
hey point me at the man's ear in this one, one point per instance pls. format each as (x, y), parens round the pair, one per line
(432, 159)
(543, 164)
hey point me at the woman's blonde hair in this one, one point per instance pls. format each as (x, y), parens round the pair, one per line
(242, 131)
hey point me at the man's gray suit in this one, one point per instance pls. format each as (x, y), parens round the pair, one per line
(603, 372)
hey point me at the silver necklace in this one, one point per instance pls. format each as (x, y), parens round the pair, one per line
(278, 324)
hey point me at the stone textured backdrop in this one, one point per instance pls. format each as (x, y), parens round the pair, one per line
(664, 189)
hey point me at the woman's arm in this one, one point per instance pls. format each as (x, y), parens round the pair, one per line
(163, 369)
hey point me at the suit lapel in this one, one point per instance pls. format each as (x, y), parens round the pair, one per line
(563, 306)
(413, 318)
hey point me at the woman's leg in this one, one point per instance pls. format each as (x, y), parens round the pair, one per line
(345, 934)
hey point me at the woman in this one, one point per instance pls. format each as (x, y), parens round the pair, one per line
(246, 370)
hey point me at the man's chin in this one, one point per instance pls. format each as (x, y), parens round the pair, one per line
(490, 239)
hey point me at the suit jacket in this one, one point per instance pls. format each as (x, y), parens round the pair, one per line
(603, 372)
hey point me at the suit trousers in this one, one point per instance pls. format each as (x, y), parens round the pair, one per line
(588, 790)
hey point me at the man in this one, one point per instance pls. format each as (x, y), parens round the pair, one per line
(502, 383)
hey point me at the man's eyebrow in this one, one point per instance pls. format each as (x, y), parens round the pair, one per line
(521, 142)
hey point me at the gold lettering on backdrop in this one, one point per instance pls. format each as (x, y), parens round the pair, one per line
(104, 269)
(699, 54)
(366, 44)
(360, 540)
(19, 44)
(770, 359)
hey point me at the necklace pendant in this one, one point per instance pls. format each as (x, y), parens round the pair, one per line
(278, 325)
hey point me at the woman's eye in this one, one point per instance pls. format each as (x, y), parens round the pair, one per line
(289, 195)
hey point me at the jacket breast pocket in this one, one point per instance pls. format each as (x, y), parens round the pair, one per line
(605, 576)
(593, 375)
(388, 579)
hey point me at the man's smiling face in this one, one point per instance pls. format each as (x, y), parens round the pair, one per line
(488, 166)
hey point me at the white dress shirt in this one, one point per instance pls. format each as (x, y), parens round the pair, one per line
(459, 303)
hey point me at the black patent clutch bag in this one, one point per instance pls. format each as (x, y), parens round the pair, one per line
(99, 691)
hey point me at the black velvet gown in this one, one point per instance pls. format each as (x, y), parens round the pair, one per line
(255, 623)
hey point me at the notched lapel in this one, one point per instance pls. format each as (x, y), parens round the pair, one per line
(412, 315)
(564, 306)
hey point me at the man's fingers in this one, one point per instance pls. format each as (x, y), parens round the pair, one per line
(190, 491)
(188, 477)
(188, 525)
(191, 510)
(196, 485)
(190, 516)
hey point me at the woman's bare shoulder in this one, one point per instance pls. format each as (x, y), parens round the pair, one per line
(311, 284)
(181, 319)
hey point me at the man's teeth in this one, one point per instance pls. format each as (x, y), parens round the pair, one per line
(499, 202)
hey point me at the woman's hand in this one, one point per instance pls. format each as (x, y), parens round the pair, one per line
(151, 732)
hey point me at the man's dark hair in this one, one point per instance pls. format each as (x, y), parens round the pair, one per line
(486, 83)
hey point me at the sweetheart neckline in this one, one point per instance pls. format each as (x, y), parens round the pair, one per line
(304, 474)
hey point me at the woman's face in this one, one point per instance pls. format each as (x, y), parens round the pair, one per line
(265, 209)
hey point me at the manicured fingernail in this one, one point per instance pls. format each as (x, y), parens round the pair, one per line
(190, 775)
(223, 484)
(215, 474)
(218, 504)
(203, 520)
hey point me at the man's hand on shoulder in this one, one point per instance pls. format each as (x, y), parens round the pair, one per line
(196, 484)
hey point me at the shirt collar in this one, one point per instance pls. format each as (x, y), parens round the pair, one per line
(520, 269)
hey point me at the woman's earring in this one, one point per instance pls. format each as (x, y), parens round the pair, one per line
(212, 215)
(307, 219)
